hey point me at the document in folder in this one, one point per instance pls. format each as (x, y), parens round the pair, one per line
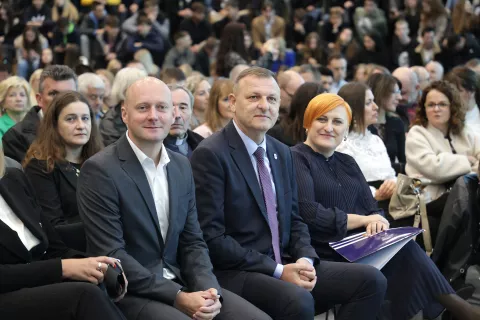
(375, 250)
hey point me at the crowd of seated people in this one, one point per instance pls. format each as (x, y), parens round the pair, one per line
(208, 152)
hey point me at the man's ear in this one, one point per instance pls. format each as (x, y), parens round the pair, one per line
(38, 96)
(124, 112)
(232, 100)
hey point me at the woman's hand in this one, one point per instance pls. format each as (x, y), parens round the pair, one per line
(376, 223)
(88, 269)
(472, 160)
(386, 190)
(376, 227)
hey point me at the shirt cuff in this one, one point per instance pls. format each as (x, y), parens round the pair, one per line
(278, 271)
(308, 259)
(373, 190)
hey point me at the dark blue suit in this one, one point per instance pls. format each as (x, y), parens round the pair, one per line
(233, 217)
(120, 217)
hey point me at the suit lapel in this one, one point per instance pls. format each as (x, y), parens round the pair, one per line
(11, 192)
(134, 169)
(173, 195)
(242, 159)
(69, 173)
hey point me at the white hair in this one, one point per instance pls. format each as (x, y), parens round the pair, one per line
(89, 80)
(124, 79)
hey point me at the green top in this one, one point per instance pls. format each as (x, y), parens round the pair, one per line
(5, 123)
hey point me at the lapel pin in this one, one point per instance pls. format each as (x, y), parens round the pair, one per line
(275, 156)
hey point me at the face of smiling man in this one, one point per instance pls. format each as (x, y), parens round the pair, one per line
(255, 103)
(148, 111)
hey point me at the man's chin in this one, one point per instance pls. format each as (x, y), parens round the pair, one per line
(177, 133)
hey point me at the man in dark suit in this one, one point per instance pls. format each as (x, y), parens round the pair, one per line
(180, 138)
(137, 201)
(259, 245)
(53, 80)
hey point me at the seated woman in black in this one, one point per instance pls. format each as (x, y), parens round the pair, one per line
(67, 137)
(40, 278)
(335, 200)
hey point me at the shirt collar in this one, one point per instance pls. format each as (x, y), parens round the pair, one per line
(141, 156)
(251, 145)
(180, 141)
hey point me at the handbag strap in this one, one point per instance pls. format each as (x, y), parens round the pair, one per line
(422, 218)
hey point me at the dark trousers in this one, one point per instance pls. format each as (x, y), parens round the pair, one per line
(62, 301)
(233, 308)
(359, 289)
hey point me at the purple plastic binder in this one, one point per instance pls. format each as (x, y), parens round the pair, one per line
(359, 246)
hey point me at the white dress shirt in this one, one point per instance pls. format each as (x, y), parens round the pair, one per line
(9, 217)
(157, 180)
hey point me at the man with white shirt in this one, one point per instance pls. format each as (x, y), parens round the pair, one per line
(137, 201)
(338, 64)
(53, 80)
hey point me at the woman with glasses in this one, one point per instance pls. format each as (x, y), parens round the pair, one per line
(438, 146)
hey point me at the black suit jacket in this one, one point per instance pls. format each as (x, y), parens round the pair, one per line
(56, 190)
(118, 210)
(193, 139)
(18, 138)
(231, 209)
(20, 268)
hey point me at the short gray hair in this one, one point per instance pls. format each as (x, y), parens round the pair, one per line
(174, 87)
(254, 72)
(124, 79)
(57, 73)
(89, 80)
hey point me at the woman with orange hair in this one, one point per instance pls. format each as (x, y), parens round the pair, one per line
(334, 200)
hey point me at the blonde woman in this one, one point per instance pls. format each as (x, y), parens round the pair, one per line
(14, 100)
(34, 86)
(218, 112)
(200, 88)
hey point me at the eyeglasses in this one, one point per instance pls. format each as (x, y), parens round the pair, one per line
(441, 105)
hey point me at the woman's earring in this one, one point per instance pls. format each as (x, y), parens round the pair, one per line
(345, 138)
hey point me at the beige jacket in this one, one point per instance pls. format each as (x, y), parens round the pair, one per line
(430, 156)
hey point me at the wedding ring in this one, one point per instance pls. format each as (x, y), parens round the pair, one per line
(99, 268)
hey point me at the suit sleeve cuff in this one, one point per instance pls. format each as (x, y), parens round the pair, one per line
(278, 271)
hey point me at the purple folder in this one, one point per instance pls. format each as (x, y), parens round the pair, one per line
(358, 246)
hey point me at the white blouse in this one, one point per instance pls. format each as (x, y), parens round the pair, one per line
(203, 130)
(472, 121)
(371, 155)
(9, 217)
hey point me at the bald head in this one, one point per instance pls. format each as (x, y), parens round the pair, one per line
(436, 70)
(422, 75)
(410, 84)
(236, 71)
(144, 85)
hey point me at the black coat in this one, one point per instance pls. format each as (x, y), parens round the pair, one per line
(18, 138)
(193, 139)
(394, 140)
(457, 244)
(56, 191)
(41, 265)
